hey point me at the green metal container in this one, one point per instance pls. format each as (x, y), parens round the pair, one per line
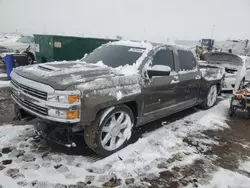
(58, 48)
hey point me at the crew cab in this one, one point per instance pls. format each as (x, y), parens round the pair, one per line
(117, 87)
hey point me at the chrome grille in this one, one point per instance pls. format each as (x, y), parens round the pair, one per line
(38, 109)
(30, 91)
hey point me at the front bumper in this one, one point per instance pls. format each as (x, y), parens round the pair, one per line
(229, 83)
(31, 97)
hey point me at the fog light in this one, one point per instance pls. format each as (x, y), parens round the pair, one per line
(73, 98)
(73, 114)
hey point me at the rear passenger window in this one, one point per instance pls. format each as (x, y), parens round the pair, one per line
(164, 57)
(186, 60)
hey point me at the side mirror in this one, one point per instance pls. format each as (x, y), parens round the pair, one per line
(159, 70)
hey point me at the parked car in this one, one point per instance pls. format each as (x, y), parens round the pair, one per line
(243, 73)
(114, 89)
(23, 45)
(231, 63)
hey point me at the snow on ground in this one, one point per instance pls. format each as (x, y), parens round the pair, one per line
(4, 84)
(245, 166)
(2, 75)
(137, 160)
(227, 179)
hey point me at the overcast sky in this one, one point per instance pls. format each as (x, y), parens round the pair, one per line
(154, 20)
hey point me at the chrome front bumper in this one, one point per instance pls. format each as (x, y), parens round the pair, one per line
(30, 96)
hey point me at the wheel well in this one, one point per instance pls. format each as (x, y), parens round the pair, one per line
(31, 54)
(133, 106)
(218, 87)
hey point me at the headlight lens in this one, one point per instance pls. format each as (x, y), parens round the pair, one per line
(64, 98)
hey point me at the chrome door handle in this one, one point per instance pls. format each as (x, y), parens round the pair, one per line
(198, 77)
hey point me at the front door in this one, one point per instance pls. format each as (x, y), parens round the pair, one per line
(159, 93)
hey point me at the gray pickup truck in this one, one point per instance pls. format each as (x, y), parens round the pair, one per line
(119, 86)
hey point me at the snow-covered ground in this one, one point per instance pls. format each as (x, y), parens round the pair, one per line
(224, 178)
(3, 81)
(33, 162)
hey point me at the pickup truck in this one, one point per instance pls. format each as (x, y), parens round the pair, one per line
(117, 87)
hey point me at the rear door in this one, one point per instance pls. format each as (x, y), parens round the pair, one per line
(159, 94)
(190, 78)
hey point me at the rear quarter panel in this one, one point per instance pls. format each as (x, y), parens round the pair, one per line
(211, 75)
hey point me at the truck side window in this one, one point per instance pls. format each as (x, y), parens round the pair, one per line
(186, 60)
(164, 57)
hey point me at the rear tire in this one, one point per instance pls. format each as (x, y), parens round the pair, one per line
(110, 131)
(211, 98)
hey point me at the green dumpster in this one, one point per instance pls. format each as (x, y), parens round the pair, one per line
(58, 48)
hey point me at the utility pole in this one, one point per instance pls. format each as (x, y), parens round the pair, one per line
(213, 31)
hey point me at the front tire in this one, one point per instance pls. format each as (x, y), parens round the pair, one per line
(110, 131)
(30, 58)
(211, 97)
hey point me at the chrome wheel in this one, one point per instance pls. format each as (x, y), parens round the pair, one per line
(212, 96)
(116, 131)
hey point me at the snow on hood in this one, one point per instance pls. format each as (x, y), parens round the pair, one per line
(9, 38)
(61, 75)
(15, 45)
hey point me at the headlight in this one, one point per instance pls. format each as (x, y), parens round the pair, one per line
(64, 104)
(69, 98)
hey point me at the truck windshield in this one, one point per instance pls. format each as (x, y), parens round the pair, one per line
(205, 42)
(115, 55)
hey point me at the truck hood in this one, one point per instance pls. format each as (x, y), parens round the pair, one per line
(15, 45)
(67, 74)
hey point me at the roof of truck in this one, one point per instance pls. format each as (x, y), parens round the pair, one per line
(146, 44)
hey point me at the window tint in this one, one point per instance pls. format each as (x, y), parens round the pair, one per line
(186, 60)
(164, 57)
